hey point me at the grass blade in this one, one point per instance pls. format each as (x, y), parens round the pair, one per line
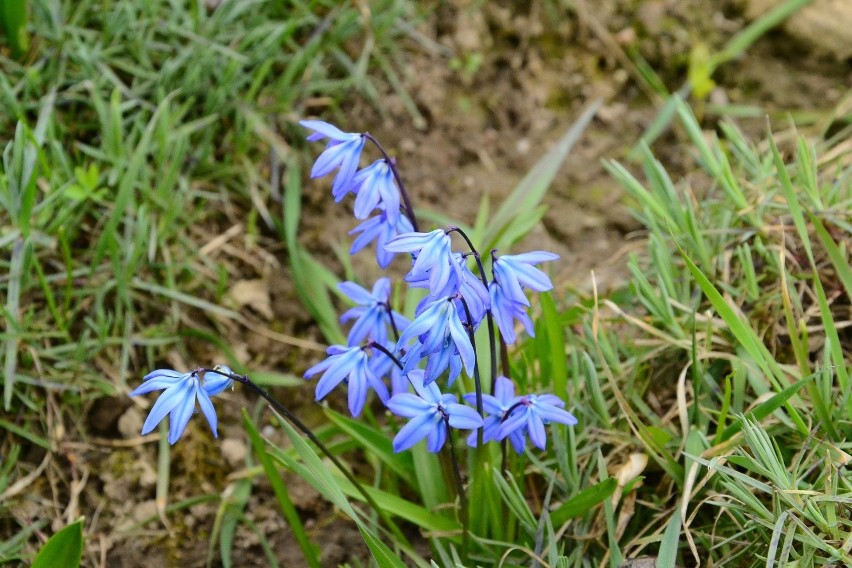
(308, 549)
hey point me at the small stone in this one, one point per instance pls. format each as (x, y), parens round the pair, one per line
(130, 423)
(234, 451)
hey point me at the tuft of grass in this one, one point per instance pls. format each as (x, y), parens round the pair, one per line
(137, 140)
(722, 363)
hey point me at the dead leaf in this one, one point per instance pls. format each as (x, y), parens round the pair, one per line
(628, 471)
(254, 294)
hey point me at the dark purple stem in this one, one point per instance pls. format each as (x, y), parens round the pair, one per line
(409, 209)
(392, 320)
(385, 350)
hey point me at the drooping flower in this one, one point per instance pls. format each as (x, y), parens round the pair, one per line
(438, 330)
(182, 390)
(373, 314)
(462, 282)
(430, 413)
(506, 310)
(513, 272)
(343, 153)
(380, 229)
(496, 406)
(433, 256)
(349, 364)
(530, 415)
(374, 186)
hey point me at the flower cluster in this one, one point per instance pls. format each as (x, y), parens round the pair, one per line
(439, 341)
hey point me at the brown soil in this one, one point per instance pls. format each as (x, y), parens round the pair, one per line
(496, 85)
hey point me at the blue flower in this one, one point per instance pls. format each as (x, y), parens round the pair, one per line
(178, 399)
(343, 151)
(496, 406)
(439, 330)
(433, 256)
(375, 187)
(350, 364)
(531, 414)
(514, 272)
(506, 309)
(380, 229)
(430, 413)
(385, 367)
(372, 315)
(462, 282)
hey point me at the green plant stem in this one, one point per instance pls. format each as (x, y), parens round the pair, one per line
(463, 512)
(281, 409)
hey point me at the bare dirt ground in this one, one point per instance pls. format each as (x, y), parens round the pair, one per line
(496, 83)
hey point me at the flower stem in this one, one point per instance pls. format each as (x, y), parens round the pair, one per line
(392, 320)
(463, 513)
(489, 316)
(281, 409)
(384, 350)
(409, 209)
(477, 383)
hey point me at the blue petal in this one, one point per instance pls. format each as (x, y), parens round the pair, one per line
(329, 160)
(507, 278)
(554, 414)
(357, 393)
(409, 242)
(426, 322)
(533, 257)
(463, 417)
(436, 364)
(214, 383)
(163, 373)
(157, 384)
(356, 293)
(170, 398)
(408, 405)
(353, 313)
(536, 430)
(325, 129)
(533, 278)
(381, 290)
(378, 386)
(504, 389)
(490, 428)
(455, 369)
(319, 367)
(437, 437)
(179, 417)
(369, 325)
(463, 344)
(516, 420)
(348, 165)
(518, 440)
(419, 427)
(208, 410)
(369, 230)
